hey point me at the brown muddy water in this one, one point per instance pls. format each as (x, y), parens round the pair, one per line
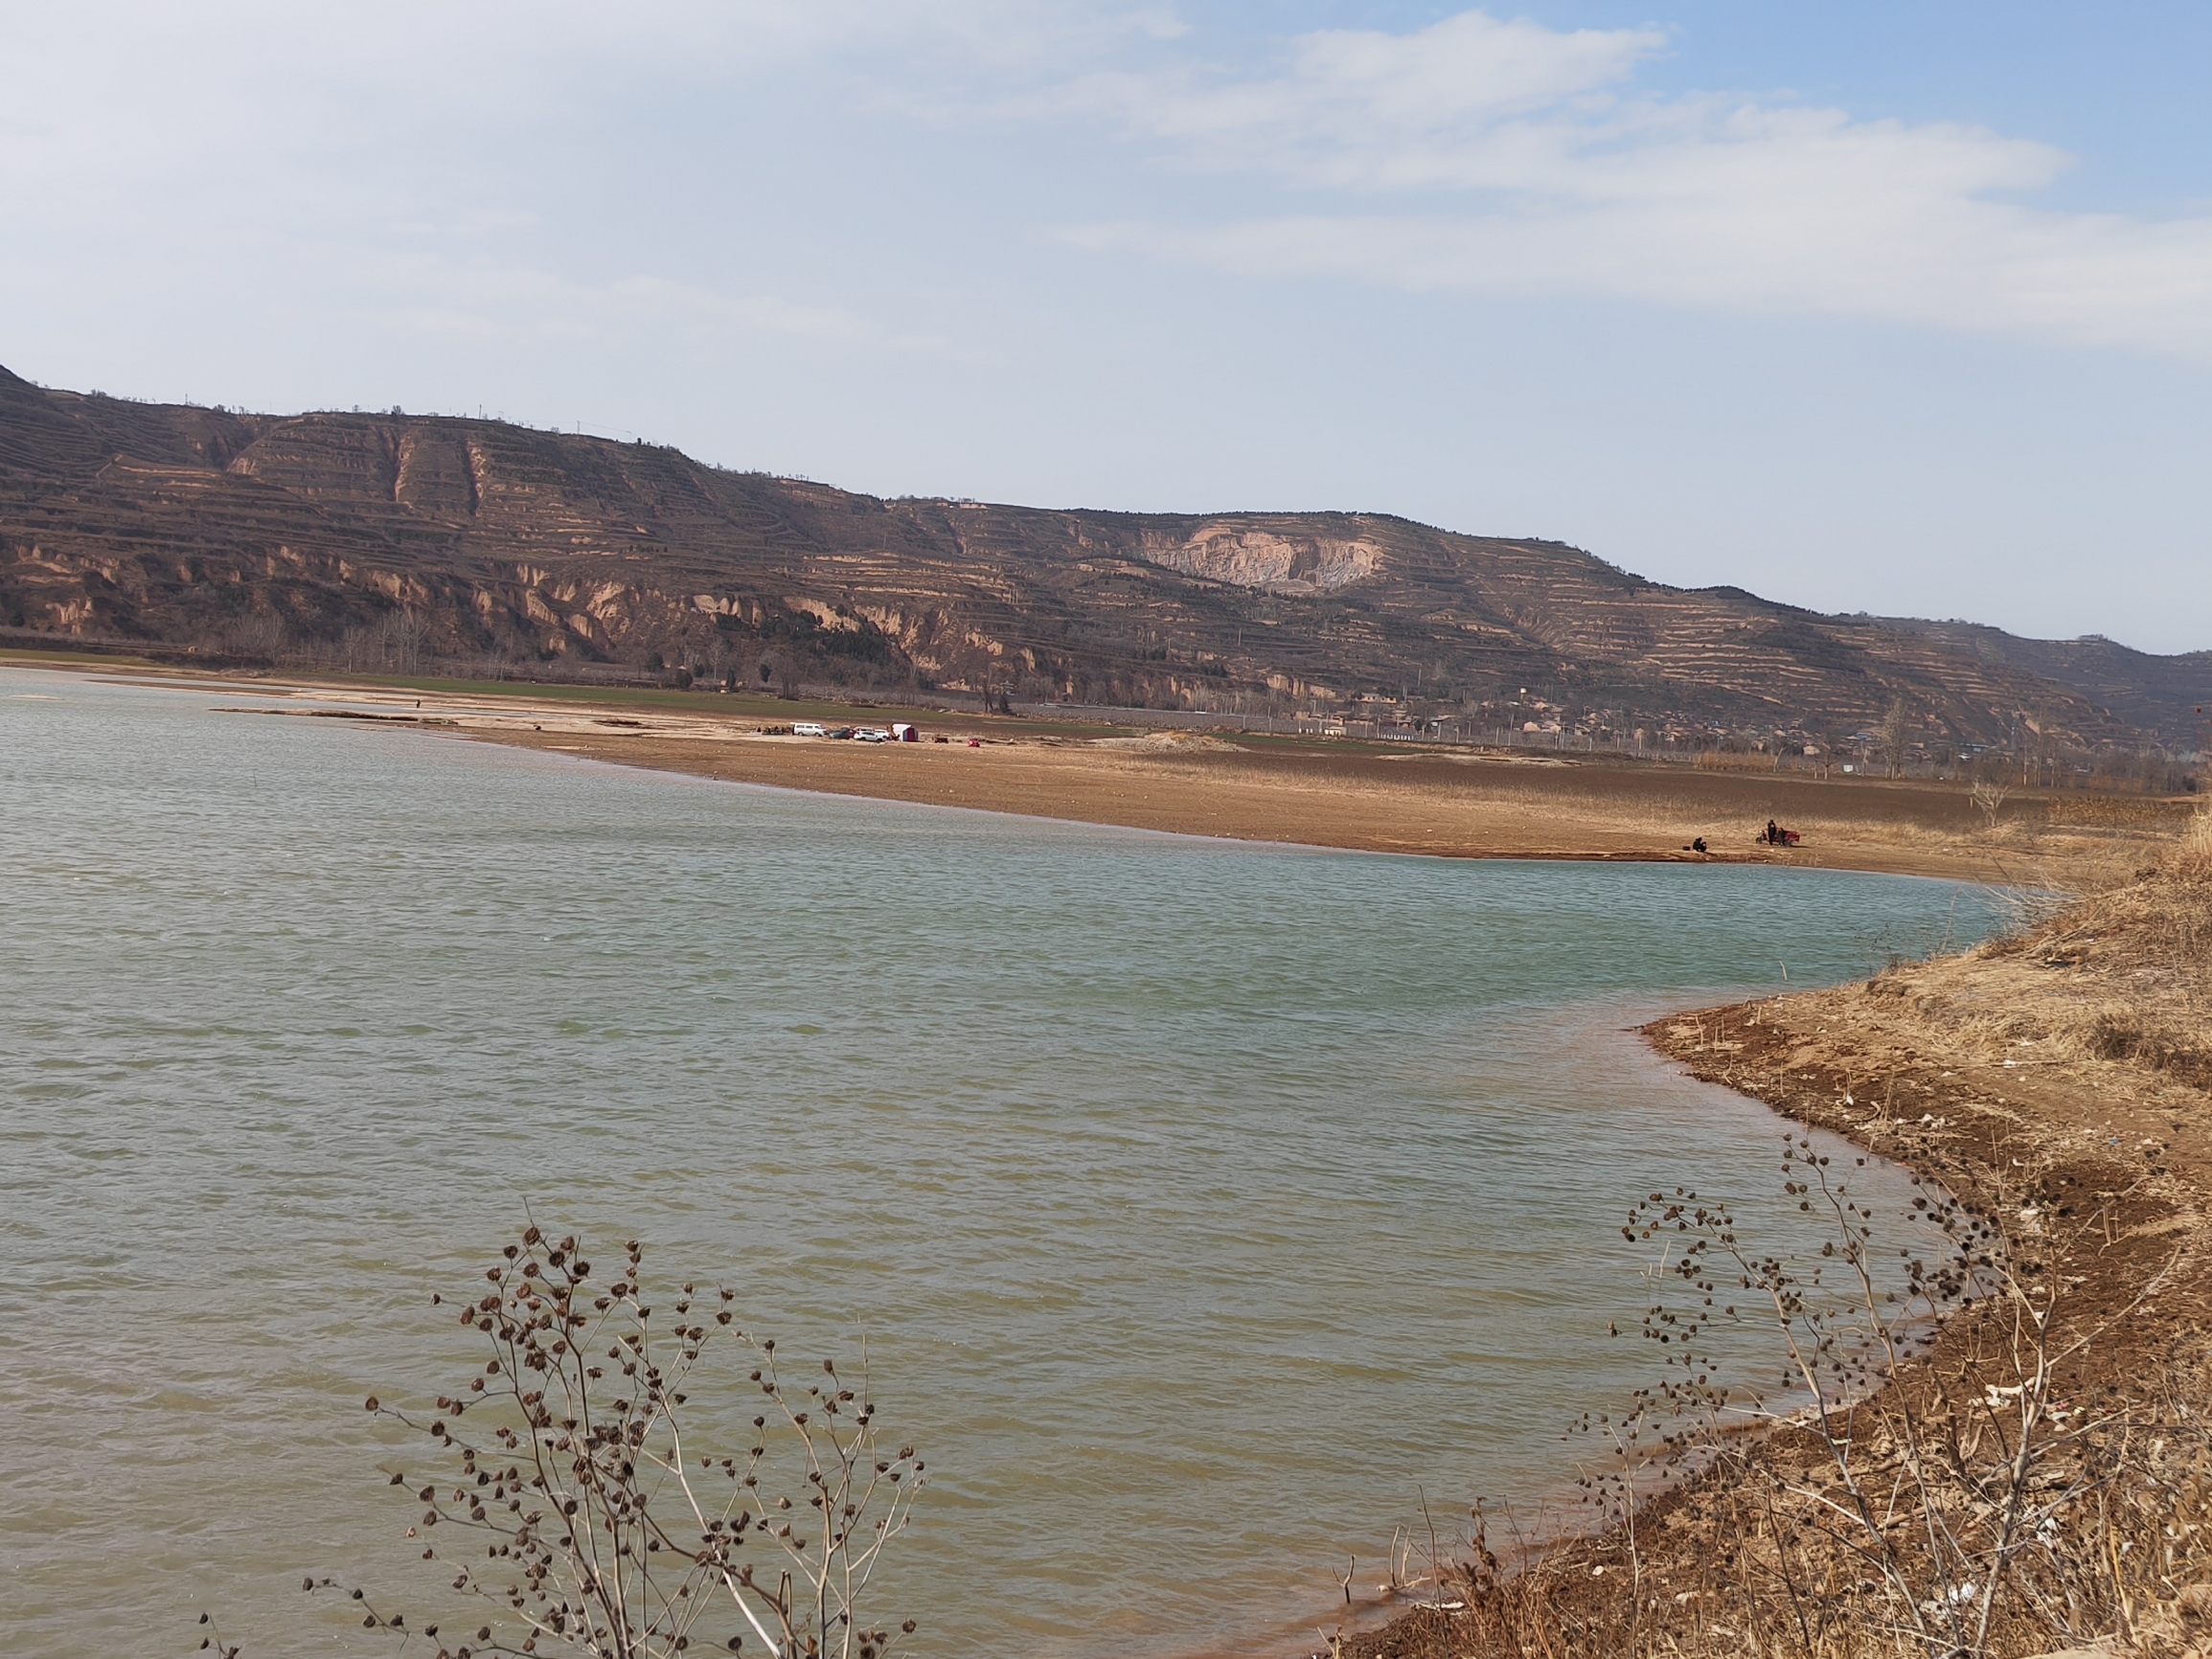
(1204, 1206)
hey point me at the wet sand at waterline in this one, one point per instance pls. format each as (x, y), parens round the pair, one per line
(1386, 798)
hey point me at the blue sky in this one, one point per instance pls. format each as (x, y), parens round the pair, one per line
(1897, 308)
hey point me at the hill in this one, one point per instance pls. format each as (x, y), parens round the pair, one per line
(390, 540)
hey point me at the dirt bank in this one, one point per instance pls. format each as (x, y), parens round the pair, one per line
(1439, 803)
(1388, 798)
(2056, 1082)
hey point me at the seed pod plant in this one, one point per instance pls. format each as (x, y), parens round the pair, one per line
(582, 1516)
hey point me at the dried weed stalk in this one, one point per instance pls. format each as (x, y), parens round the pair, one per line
(579, 1518)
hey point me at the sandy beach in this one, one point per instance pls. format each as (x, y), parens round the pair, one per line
(1378, 797)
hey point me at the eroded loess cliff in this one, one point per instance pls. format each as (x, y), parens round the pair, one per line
(391, 540)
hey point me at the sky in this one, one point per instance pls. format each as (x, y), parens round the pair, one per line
(1898, 307)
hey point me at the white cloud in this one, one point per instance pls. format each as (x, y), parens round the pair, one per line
(1476, 154)
(1510, 158)
(1348, 94)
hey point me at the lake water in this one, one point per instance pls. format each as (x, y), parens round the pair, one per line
(1204, 1206)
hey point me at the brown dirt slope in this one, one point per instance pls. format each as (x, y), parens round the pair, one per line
(174, 523)
(2148, 691)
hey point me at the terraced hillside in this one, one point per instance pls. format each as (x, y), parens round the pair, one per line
(375, 536)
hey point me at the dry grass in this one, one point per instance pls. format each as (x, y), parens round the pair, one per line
(2121, 976)
(2129, 810)
(2110, 1524)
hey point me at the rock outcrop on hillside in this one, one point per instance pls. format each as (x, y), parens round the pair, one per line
(402, 538)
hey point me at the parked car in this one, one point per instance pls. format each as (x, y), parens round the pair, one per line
(808, 729)
(873, 735)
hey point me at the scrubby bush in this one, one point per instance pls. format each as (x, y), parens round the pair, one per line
(579, 1513)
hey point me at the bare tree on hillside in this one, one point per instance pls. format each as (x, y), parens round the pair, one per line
(261, 635)
(1989, 798)
(398, 642)
(1896, 731)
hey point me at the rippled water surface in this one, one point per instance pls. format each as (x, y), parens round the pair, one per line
(1204, 1206)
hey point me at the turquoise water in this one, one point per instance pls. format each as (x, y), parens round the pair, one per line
(1203, 1206)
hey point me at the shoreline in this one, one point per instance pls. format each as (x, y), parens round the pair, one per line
(2006, 1053)
(1410, 798)
(2091, 1164)
(1716, 1045)
(1556, 1519)
(1805, 1057)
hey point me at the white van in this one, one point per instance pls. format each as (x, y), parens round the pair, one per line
(808, 729)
